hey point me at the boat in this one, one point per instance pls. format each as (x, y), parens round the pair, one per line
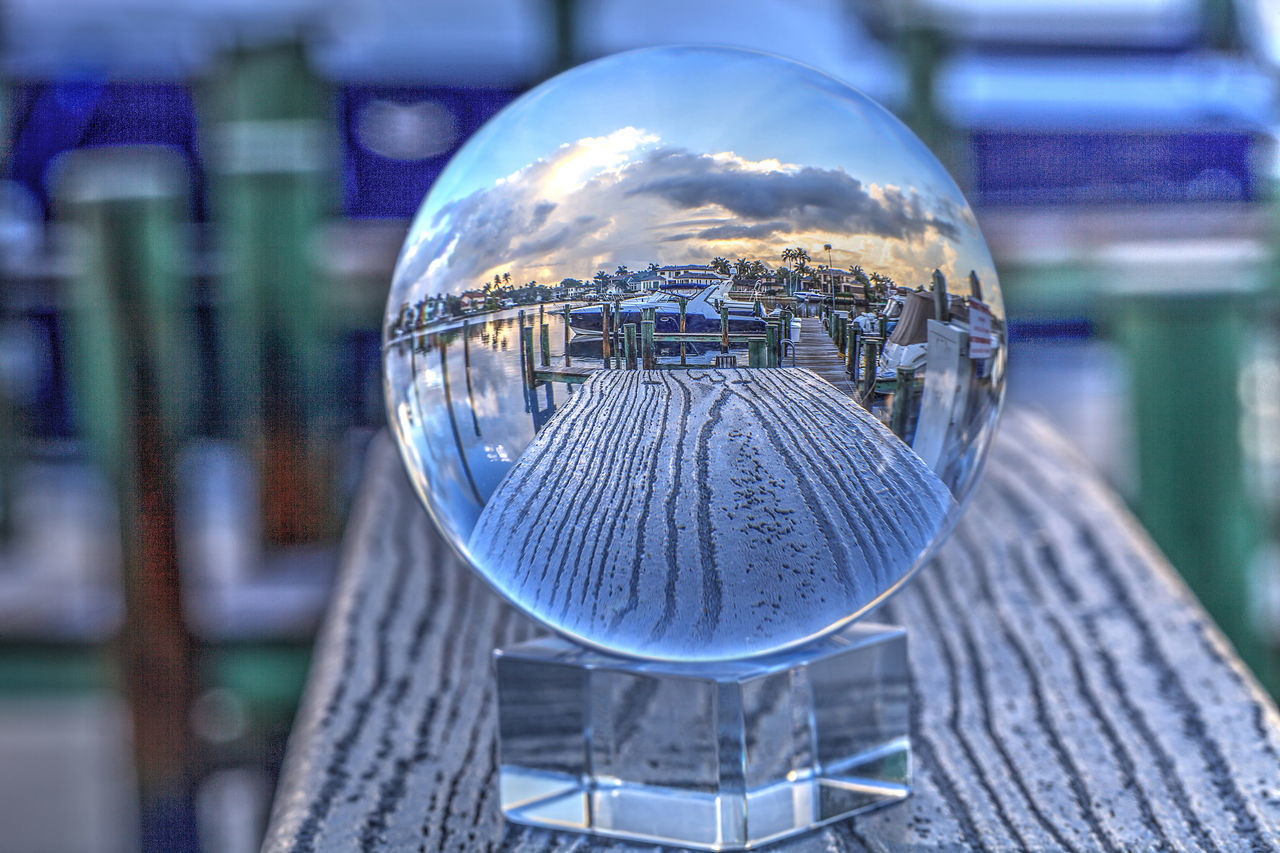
(907, 346)
(702, 313)
(809, 296)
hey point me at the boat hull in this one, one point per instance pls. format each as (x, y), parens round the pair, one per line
(588, 321)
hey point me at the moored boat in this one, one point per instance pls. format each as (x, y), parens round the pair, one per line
(701, 312)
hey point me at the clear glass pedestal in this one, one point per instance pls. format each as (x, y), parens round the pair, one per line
(720, 756)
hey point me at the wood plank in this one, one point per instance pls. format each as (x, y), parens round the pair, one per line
(563, 374)
(619, 521)
(1069, 693)
(817, 352)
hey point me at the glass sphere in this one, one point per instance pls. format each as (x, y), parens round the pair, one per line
(694, 353)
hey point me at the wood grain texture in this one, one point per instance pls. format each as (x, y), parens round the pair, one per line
(674, 513)
(1068, 693)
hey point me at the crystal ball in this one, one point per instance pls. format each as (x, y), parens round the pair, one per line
(694, 353)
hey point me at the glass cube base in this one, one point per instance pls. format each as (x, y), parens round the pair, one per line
(720, 756)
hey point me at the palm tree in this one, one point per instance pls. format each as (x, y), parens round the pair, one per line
(506, 279)
(757, 270)
(721, 265)
(622, 270)
(802, 270)
(788, 255)
(860, 277)
(653, 266)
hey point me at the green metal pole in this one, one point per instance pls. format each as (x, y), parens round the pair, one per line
(131, 360)
(273, 159)
(1185, 351)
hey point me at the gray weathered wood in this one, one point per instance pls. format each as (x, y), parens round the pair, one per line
(618, 521)
(1069, 694)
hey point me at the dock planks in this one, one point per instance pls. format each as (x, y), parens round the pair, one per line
(816, 351)
(677, 511)
(1069, 694)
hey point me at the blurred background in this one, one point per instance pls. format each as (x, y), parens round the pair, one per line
(201, 204)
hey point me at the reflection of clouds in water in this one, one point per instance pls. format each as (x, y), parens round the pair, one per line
(599, 202)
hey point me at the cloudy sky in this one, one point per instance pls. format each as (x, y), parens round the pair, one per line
(679, 155)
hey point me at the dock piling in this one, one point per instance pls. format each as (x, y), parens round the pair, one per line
(941, 305)
(544, 341)
(646, 342)
(606, 334)
(526, 347)
(900, 420)
(629, 345)
(567, 361)
(683, 302)
(870, 355)
(617, 333)
(851, 351)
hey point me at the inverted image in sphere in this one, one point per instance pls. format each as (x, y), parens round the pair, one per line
(694, 353)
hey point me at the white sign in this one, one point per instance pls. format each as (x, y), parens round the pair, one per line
(981, 342)
(942, 402)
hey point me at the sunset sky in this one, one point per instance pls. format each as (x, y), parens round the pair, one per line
(677, 155)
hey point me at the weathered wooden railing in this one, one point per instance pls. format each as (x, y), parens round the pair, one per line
(1068, 692)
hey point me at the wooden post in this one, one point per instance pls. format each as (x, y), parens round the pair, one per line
(606, 333)
(617, 333)
(524, 366)
(526, 346)
(851, 351)
(724, 328)
(466, 365)
(646, 343)
(629, 345)
(683, 303)
(567, 360)
(941, 305)
(756, 354)
(900, 417)
(544, 342)
(870, 355)
(772, 330)
(975, 286)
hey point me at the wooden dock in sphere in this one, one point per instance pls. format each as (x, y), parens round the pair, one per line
(682, 512)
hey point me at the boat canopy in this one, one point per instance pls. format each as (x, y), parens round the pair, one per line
(913, 325)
